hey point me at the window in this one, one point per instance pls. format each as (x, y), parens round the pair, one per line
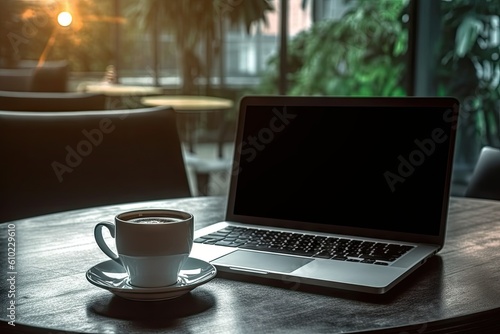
(235, 47)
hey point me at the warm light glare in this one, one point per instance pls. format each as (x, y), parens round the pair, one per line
(64, 19)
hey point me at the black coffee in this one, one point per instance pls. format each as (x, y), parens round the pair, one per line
(154, 220)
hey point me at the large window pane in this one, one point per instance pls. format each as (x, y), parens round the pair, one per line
(224, 48)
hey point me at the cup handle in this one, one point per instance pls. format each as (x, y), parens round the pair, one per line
(100, 239)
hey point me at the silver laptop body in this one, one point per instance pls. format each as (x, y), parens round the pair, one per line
(369, 171)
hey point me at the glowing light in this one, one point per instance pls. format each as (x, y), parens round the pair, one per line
(64, 19)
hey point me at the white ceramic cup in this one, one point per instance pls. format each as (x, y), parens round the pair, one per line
(152, 244)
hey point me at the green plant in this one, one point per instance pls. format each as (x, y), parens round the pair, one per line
(470, 70)
(363, 53)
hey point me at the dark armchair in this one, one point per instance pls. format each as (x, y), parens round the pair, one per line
(31, 76)
(46, 101)
(55, 161)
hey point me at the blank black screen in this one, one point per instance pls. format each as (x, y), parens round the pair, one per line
(382, 168)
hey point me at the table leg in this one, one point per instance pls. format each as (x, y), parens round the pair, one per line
(202, 183)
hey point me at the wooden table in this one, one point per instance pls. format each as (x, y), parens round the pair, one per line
(189, 103)
(120, 95)
(458, 289)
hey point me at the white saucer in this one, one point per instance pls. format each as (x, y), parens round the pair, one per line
(111, 276)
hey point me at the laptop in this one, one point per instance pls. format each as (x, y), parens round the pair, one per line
(343, 192)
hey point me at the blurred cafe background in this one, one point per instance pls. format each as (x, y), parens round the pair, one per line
(228, 48)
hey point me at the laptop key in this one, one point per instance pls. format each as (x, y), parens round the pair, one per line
(368, 261)
(381, 263)
(323, 255)
(223, 243)
(206, 239)
(200, 240)
(376, 257)
(217, 235)
(227, 243)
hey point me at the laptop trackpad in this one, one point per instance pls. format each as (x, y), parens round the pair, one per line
(261, 261)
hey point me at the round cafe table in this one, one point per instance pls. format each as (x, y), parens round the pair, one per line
(189, 103)
(456, 291)
(120, 95)
(122, 90)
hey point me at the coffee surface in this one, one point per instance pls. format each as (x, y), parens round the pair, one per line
(154, 220)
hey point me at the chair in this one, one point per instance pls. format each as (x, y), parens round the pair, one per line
(32, 76)
(52, 76)
(485, 179)
(205, 167)
(46, 101)
(16, 79)
(57, 161)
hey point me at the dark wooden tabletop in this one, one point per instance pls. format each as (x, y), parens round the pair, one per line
(458, 289)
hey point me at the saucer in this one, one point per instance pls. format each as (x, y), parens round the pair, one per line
(111, 276)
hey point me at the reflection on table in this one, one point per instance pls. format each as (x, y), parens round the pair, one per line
(456, 291)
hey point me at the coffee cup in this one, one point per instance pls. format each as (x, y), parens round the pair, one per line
(152, 245)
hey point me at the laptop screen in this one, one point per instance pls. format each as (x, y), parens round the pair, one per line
(339, 162)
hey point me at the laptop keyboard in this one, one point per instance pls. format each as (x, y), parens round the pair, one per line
(341, 249)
